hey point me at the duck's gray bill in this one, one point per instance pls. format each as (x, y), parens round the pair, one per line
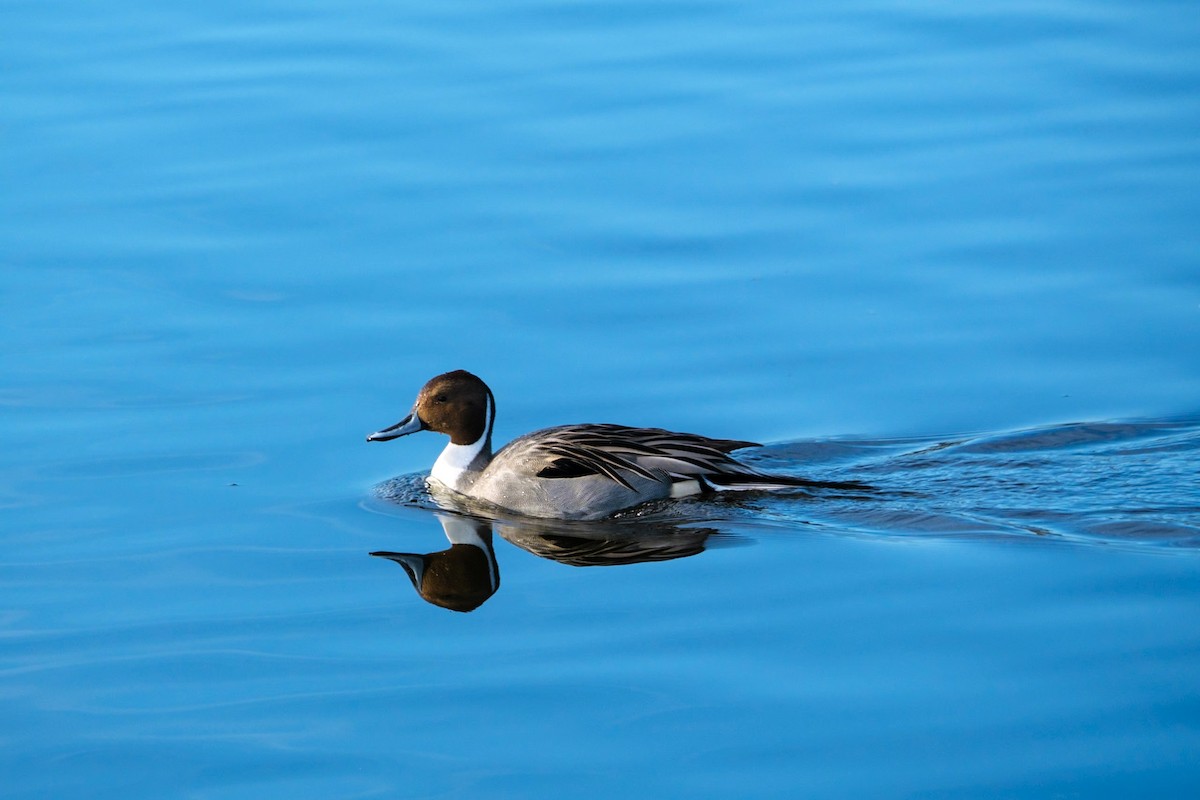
(410, 424)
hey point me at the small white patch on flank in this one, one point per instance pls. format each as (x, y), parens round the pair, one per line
(685, 488)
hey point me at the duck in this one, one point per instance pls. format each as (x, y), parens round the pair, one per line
(585, 471)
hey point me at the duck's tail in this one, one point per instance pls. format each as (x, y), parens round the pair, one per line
(758, 481)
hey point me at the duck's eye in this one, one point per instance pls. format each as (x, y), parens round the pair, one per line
(441, 398)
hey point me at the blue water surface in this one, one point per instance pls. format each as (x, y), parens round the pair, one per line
(948, 251)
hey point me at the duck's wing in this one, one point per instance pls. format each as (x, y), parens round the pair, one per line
(615, 451)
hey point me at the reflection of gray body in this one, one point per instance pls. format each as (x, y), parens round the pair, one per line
(573, 471)
(577, 544)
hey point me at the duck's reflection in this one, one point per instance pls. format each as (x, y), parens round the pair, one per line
(465, 575)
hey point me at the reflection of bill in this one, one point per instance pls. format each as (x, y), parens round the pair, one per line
(466, 574)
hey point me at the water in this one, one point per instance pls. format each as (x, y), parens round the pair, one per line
(948, 252)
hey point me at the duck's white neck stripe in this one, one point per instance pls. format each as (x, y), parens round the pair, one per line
(459, 459)
(454, 462)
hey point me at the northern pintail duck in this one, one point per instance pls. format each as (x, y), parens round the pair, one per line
(584, 471)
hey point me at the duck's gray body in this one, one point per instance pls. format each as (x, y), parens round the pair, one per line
(593, 471)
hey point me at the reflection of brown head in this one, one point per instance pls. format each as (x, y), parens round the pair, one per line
(460, 578)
